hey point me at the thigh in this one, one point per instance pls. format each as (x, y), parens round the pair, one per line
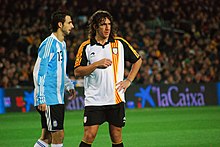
(55, 117)
(116, 115)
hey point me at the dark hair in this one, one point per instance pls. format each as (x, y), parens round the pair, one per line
(58, 16)
(95, 21)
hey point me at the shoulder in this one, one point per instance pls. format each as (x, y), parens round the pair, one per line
(85, 43)
(48, 40)
(122, 40)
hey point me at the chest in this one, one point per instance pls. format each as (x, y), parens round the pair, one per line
(96, 52)
(59, 52)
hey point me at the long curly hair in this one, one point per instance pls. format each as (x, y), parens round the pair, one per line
(96, 19)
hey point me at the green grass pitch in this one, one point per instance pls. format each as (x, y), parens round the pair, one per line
(148, 127)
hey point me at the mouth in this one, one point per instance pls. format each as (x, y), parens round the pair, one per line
(107, 33)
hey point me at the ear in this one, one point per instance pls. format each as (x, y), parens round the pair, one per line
(60, 24)
(95, 26)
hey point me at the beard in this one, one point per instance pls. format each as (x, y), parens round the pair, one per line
(65, 32)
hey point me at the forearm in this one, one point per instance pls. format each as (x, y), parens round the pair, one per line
(134, 70)
(85, 70)
(40, 92)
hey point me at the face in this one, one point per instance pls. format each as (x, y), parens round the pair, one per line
(104, 29)
(67, 26)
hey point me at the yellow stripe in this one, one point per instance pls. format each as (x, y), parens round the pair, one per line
(118, 98)
(132, 49)
(115, 68)
(117, 143)
(86, 142)
(79, 53)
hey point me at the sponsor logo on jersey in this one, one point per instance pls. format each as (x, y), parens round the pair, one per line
(92, 54)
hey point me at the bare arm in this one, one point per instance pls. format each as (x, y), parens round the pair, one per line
(86, 70)
(134, 70)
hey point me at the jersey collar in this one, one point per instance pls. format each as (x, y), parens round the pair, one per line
(93, 41)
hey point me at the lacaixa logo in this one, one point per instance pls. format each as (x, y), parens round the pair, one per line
(174, 97)
(171, 96)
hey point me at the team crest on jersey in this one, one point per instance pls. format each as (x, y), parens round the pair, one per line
(115, 50)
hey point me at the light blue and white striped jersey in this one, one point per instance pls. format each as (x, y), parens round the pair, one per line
(50, 79)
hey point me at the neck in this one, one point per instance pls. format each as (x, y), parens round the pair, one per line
(100, 40)
(59, 36)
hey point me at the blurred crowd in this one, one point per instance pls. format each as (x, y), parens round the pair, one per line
(179, 41)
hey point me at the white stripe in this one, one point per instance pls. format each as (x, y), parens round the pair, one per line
(42, 78)
(59, 76)
(35, 75)
(48, 117)
(51, 56)
(64, 58)
(47, 47)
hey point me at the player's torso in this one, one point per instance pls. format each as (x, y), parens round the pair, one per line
(54, 81)
(101, 83)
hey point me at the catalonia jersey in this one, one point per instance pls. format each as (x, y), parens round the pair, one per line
(100, 85)
(49, 72)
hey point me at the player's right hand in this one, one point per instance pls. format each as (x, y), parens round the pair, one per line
(104, 63)
(42, 107)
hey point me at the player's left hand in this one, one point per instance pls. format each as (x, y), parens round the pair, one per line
(72, 94)
(123, 85)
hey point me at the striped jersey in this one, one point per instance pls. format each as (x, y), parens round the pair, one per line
(49, 72)
(100, 85)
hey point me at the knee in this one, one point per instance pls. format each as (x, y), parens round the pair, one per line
(47, 138)
(61, 136)
(89, 137)
(116, 136)
(58, 137)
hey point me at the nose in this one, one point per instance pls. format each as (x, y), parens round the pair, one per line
(108, 26)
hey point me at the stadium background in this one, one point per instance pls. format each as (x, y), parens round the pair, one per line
(177, 40)
(179, 43)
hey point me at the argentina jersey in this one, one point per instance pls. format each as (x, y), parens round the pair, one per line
(50, 72)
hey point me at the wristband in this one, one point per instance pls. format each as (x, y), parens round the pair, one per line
(129, 80)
